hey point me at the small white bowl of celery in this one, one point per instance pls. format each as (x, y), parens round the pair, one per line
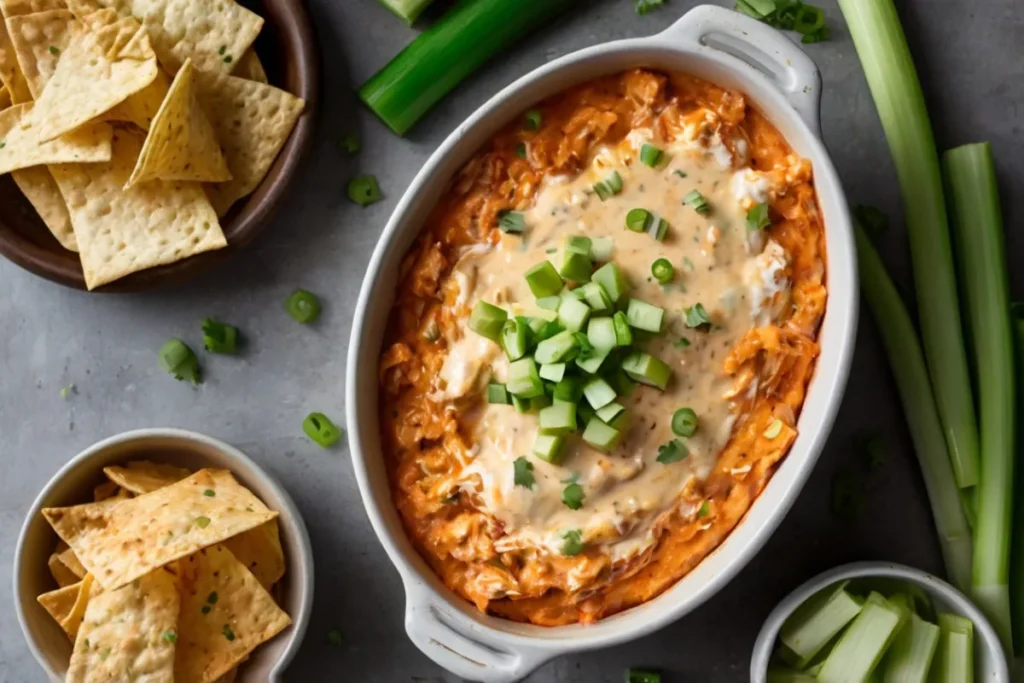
(874, 622)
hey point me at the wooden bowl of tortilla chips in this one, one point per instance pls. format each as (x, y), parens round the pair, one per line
(165, 550)
(139, 149)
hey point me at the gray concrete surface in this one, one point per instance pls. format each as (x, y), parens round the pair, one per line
(50, 337)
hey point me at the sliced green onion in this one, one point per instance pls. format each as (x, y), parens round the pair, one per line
(910, 656)
(364, 190)
(809, 19)
(875, 28)
(487, 320)
(758, 218)
(179, 360)
(814, 623)
(673, 451)
(642, 676)
(684, 422)
(612, 281)
(647, 369)
(544, 280)
(576, 267)
(609, 187)
(663, 271)
(319, 428)
(497, 394)
(697, 318)
(637, 220)
(695, 200)
(303, 305)
(219, 337)
(864, 642)
(650, 155)
(643, 316)
(642, 7)
(533, 120)
(511, 221)
(659, 229)
(592, 364)
(552, 372)
(978, 228)
(550, 303)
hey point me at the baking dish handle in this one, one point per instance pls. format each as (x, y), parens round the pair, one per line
(760, 46)
(470, 655)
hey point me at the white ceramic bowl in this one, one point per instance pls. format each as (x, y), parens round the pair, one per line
(720, 46)
(989, 658)
(73, 484)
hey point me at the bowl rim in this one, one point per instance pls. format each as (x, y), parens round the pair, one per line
(769, 632)
(664, 50)
(289, 20)
(300, 537)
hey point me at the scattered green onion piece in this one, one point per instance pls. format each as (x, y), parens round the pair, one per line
(572, 496)
(773, 429)
(523, 379)
(642, 676)
(643, 316)
(558, 419)
(704, 510)
(695, 200)
(684, 422)
(663, 271)
(512, 221)
(319, 428)
(364, 190)
(576, 267)
(809, 20)
(548, 447)
(609, 187)
(522, 405)
(544, 280)
(533, 120)
(487, 320)
(758, 218)
(497, 394)
(302, 305)
(406, 10)
(612, 281)
(219, 337)
(647, 369)
(673, 451)
(697, 317)
(601, 436)
(572, 543)
(334, 636)
(573, 313)
(179, 360)
(650, 155)
(659, 229)
(637, 220)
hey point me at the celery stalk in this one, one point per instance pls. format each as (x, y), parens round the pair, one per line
(882, 47)
(407, 10)
(1017, 542)
(907, 363)
(954, 659)
(978, 227)
(910, 657)
(783, 675)
(458, 43)
(817, 621)
(864, 643)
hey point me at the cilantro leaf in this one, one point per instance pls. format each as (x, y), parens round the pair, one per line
(572, 496)
(697, 317)
(522, 473)
(573, 543)
(673, 451)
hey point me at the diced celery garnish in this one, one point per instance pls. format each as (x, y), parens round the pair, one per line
(573, 313)
(778, 674)
(576, 267)
(647, 369)
(548, 447)
(544, 280)
(954, 658)
(523, 379)
(863, 644)
(487, 320)
(611, 280)
(522, 405)
(601, 436)
(584, 413)
(552, 372)
(644, 316)
(496, 393)
(623, 335)
(909, 658)
(578, 244)
(515, 339)
(609, 412)
(558, 418)
(549, 303)
(601, 248)
(598, 393)
(592, 364)
(595, 296)
(601, 333)
(817, 621)
(538, 403)
(555, 349)
(569, 390)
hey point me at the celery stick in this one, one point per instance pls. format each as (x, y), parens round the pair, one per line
(1017, 542)
(882, 47)
(954, 659)
(817, 621)
(907, 363)
(910, 657)
(863, 644)
(783, 675)
(978, 227)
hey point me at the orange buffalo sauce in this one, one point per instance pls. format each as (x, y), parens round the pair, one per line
(644, 524)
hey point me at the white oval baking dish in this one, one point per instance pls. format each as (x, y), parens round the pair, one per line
(723, 47)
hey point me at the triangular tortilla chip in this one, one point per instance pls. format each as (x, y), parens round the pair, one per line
(225, 615)
(87, 588)
(121, 232)
(93, 76)
(20, 145)
(10, 70)
(5, 97)
(121, 543)
(250, 67)
(70, 560)
(39, 41)
(181, 144)
(252, 122)
(61, 602)
(141, 108)
(61, 574)
(39, 187)
(259, 550)
(143, 476)
(129, 634)
(15, 8)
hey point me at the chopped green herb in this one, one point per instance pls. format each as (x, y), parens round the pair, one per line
(3, 143)
(684, 422)
(695, 200)
(170, 636)
(681, 174)
(572, 496)
(758, 218)
(350, 143)
(228, 633)
(227, 60)
(650, 155)
(302, 305)
(638, 220)
(644, 6)
(788, 15)
(511, 221)
(179, 360)
(209, 493)
(704, 510)
(320, 429)
(212, 598)
(521, 150)
(533, 119)
(364, 190)
(522, 473)
(219, 337)
(573, 543)
(222, 50)
(697, 318)
(54, 50)
(673, 451)
(205, 609)
(202, 522)
(334, 637)
(609, 187)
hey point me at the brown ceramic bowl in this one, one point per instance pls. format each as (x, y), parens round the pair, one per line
(287, 48)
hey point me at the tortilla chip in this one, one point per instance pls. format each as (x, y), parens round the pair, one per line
(10, 71)
(181, 144)
(98, 70)
(128, 633)
(141, 108)
(39, 41)
(60, 572)
(241, 615)
(250, 67)
(259, 551)
(87, 588)
(229, 677)
(121, 232)
(252, 121)
(5, 97)
(121, 543)
(104, 491)
(214, 33)
(70, 560)
(39, 187)
(61, 602)
(15, 8)
(20, 145)
(143, 476)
